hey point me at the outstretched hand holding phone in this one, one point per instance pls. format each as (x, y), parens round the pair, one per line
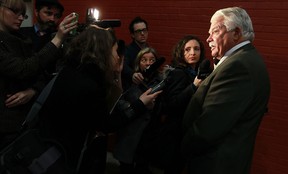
(74, 31)
(68, 23)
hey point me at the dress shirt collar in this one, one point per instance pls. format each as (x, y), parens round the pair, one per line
(229, 52)
(38, 31)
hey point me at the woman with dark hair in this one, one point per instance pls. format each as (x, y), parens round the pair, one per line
(163, 136)
(77, 102)
(181, 51)
(187, 55)
(82, 98)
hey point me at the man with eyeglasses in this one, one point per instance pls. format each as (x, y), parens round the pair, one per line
(138, 29)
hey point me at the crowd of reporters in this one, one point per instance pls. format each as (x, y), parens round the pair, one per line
(104, 86)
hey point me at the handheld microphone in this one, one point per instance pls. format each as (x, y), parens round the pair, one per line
(153, 67)
(204, 69)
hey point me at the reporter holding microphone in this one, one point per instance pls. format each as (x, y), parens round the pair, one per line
(128, 138)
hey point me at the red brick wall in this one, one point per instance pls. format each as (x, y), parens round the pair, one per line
(170, 20)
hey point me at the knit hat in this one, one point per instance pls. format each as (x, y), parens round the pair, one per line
(50, 2)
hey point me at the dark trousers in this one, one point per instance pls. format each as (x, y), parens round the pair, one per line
(7, 138)
(94, 160)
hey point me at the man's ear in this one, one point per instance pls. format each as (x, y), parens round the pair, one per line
(36, 12)
(237, 33)
(132, 35)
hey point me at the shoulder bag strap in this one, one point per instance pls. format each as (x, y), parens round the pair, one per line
(38, 103)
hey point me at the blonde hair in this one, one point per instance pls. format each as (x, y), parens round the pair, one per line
(17, 5)
(140, 55)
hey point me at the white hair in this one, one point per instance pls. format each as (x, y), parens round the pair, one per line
(236, 17)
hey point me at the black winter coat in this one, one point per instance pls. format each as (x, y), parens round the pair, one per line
(20, 69)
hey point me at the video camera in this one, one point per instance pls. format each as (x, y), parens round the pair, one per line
(92, 17)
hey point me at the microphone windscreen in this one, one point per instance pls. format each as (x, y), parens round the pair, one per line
(205, 65)
(157, 63)
(153, 67)
(204, 69)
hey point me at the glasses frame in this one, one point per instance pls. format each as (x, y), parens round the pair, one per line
(25, 16)
(140, 31)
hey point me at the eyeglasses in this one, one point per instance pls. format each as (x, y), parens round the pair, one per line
(140, 31)
(16, 12)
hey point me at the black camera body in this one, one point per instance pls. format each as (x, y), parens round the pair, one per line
(107, 23)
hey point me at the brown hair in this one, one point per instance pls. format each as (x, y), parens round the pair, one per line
(93, 45)
(178, 51)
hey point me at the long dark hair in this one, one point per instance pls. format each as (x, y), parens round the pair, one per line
(178, 51)
(93, 45)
